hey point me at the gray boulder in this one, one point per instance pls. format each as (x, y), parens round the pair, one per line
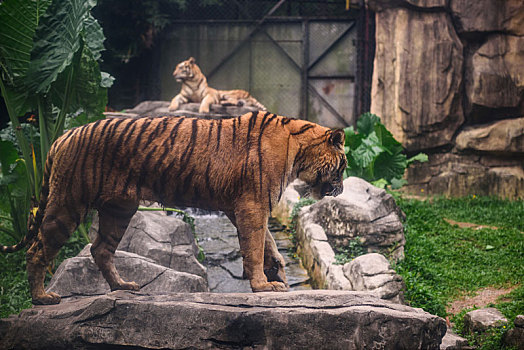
(515, 336)
(298, 320)
(167, 240)
(452, 341)
(372, 272)
(80, 276)
(482, 319)
(363, 211)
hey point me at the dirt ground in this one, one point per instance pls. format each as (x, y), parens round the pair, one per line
(483, 297)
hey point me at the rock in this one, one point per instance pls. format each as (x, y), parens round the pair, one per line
(482, 319)
(299, 320)
(476, 16)
(519, 321)
(459, 175)
(167, 240)
(161, 108)
(515, 336)
(372, 272)
(380, 5)
(80, 276)
(417, 77)
(505, 136)
(451, 341)
(363, 211)
(283, 209)
(494, 76)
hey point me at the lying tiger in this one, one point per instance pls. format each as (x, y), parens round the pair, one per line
(237, 165)
(195, 89)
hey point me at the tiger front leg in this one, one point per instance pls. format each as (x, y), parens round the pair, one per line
(176, 102)
(252, 227)
(273, 261)
(205, 105)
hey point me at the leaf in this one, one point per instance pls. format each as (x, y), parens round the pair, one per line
(57, 39)
(386, 139)
(390, 166)
(421, 157)
(19, 20)
(366, 123)
(107, 80)
(369, 149)
(398, 183)
(8, 156)
(352, 139)
(94, 36)
(380, 183)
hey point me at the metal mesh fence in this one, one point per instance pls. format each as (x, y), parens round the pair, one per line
(298, 58)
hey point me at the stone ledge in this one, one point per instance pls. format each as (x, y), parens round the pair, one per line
(301, 320)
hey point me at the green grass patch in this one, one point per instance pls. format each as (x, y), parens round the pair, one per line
(444, 262)
(14, 288)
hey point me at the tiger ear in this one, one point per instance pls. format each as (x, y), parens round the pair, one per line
(191, 60)
(337, 138)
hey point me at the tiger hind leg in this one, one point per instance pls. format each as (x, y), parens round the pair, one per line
(113, 222)
(57, 226)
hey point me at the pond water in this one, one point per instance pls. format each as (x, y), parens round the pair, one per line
(218, 237)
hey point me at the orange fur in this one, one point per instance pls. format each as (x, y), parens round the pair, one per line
(237, 165)
(195, 89)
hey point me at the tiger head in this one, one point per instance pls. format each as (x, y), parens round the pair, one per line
(323, 165)
(186, 70)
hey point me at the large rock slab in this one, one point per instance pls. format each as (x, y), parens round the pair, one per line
(372, 272)
(298, 320)
(494, 78)
(477, 16)
(417, 77)
(167, 240)
(482, 319)
(505, 136)
(362, 211)
(80, 276)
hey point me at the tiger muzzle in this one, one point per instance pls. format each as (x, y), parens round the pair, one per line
(329, 189)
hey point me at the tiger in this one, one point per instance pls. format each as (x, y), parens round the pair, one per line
(195, 89)
(238, 165)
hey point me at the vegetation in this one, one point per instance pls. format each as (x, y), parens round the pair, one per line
(444, 262)
(374, 155)
(49, 80)
(351, 251)
(292, 229)
(49, 52)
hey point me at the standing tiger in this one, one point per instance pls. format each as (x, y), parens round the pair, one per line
(195, 89)
(237, 165)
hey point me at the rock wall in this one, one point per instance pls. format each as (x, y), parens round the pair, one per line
(448, 80)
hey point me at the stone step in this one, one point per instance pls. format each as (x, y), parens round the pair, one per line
(322, 319)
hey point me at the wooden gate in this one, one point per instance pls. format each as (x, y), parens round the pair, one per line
(302, 67)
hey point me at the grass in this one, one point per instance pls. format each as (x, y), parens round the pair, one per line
(444, 262)
(14, 288)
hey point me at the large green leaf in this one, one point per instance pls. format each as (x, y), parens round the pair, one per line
(368, 150)
(8, 156)
(57, 39)
(19, 20)
(366, 123)
(390, 166)
(94, 36)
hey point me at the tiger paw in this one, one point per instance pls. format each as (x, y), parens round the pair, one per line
(126, 286)
(47, 299)
(269, 287)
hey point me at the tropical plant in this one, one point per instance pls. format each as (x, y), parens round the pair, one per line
(49, 52)
(374, 155)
